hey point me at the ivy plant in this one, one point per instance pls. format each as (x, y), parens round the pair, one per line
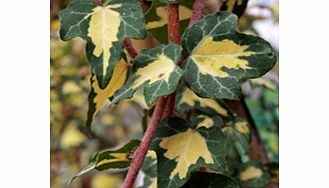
(194, 138)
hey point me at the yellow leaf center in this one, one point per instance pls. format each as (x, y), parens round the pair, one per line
(250, 173)
(116, 82)
(190, 98)
(159, 69)
(242, 127)
(186, 148)
(103, 30)
(211, 56)
(119, 157)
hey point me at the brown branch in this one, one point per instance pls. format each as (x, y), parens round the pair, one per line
(140, 153)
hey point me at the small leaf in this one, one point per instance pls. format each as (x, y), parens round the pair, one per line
(254, 174)
(155, 72)
(150, 170)
(212, 180)
(236, 6)
(119, 158)
(187, 100)
(181, 150)
(98, 96)
(157, 19)
(238, 132)
(103, 28)
(219, 57)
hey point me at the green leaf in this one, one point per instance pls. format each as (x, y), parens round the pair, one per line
(186, 100)
(98, 96)
(239, 133)
(253, 174)
(118, 158)
(219, 57)
(157, 19)
(212, 180)
(155, 72)
(181, 150)
(103, 28)
(150, 170)
(236, 6)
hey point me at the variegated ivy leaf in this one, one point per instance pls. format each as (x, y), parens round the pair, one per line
(103, 28)
(119, 158)
(149, 169)
(203, 120)
(254, 174)
(219, 57)
(239, 133)
(157, 19)
(155, 72)
(212, 180)
(236, 6)
(181, 150)
(186, 100)
(98, 96)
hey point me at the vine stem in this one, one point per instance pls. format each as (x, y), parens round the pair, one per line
(130, 49)
(197, 11)
(174, 36)
(145, 143)
(164, 106)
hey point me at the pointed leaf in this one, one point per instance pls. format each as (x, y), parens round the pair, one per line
(236, 6)
(187, 100)
(157, 19)
(155, 72)
(103, 28)
(253, 174)
(219, 57)
(181, 150)
(98, 96)
(119, 158)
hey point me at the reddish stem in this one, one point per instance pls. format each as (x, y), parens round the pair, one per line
(197, 11)
(130, 49)
(174, 36)
(173, 23)
(145, 143)
(164, 107)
